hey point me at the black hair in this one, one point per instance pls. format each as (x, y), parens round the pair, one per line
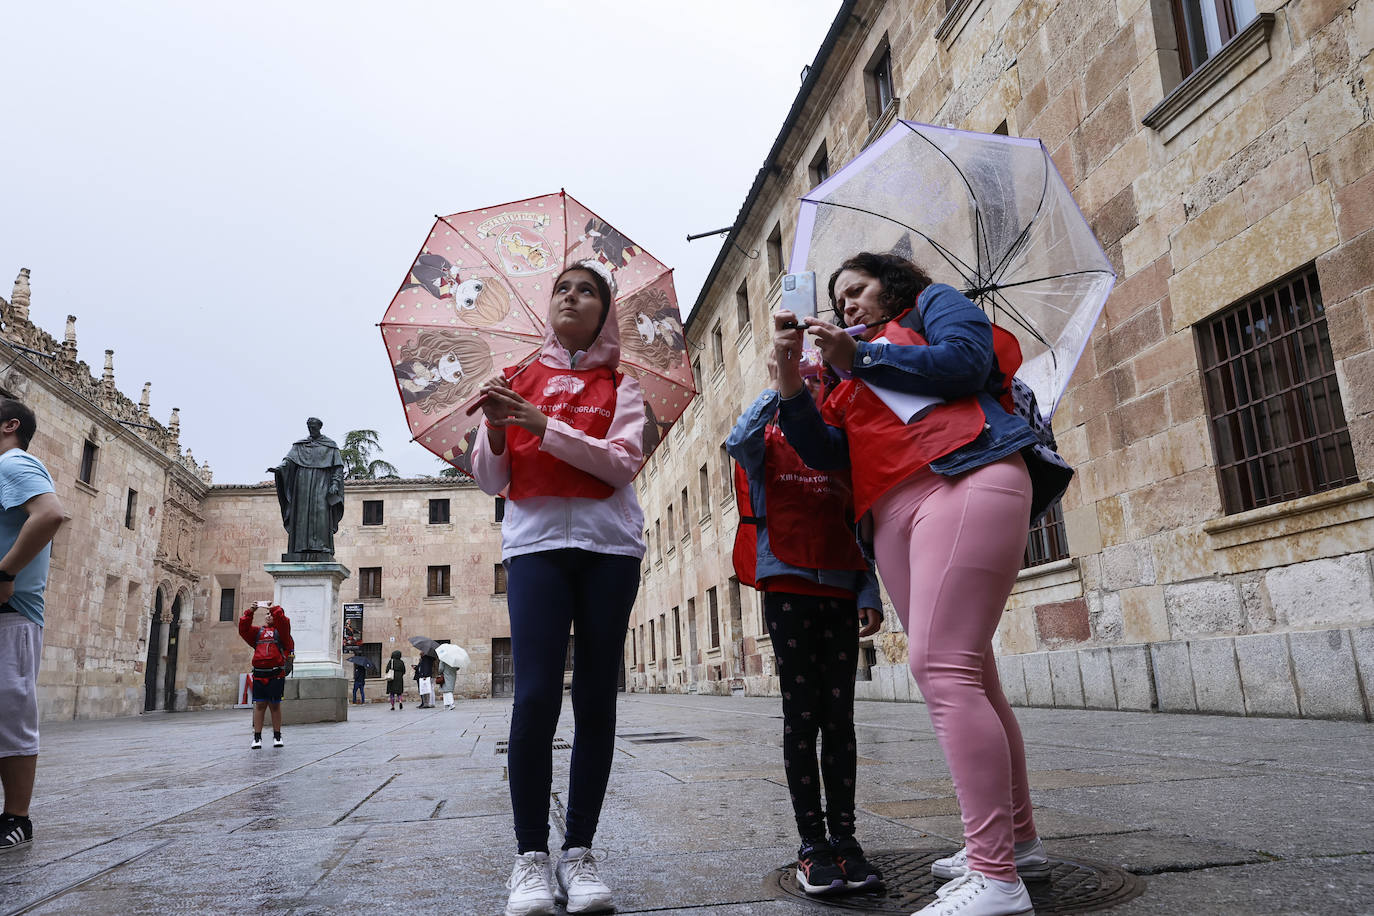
(11, 409)
(901, 280)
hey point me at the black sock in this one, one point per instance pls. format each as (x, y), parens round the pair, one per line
(276, 734)
(257, 736)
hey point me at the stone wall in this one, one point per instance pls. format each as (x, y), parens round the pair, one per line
(110, 562)
(244, 531)
(1202, 192)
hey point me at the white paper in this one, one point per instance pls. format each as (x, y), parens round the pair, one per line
(904, 404)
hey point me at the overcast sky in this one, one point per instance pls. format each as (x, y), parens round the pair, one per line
(228, 195)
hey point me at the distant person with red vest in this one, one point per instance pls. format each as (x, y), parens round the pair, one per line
(796, 544)
(949, 497)
(273, 652)
(563, 438)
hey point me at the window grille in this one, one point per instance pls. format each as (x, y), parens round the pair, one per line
(438, 512)
(1048, 541)
(372, 512)
(1278, 427)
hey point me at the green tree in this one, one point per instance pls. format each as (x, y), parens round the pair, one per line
(449, 470)
(358, 448)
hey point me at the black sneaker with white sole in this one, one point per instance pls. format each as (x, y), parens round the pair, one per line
(15, 832)
(817, 872)
(858, 871)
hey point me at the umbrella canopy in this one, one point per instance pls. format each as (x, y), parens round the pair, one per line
(987, 214)
(424, 644)
(364, 661)
(475, 302)
(453, 656)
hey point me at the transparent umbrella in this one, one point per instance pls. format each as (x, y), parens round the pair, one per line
(987, 214)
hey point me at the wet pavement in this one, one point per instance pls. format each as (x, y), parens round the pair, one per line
(407, 810)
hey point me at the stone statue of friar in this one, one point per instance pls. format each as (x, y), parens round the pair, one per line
(310, 484)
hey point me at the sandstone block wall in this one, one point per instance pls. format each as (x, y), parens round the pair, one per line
(1202, 193)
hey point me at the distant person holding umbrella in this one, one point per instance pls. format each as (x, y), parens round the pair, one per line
(563, 439)
(451, 660)
(949, 497)
(360, 665)
(395, 673)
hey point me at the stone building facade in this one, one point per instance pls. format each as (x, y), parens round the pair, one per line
(423, 554)
(1215, 547)
(122, 577)
(154, 557)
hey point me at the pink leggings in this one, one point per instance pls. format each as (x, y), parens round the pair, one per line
(949, 550)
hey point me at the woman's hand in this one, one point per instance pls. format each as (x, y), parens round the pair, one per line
(504, 407)
(870, 621)
(836, 346)
(787, 348)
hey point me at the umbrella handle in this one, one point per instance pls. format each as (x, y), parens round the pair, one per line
(477, 404)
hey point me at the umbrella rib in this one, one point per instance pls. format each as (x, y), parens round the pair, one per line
(1069, 273)
(1016, 316)
(1044, 193)
(656, 374)
(538, 322)
(950, 257)
(977, 215)
(656, 277)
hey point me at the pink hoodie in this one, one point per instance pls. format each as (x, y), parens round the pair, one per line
(612, 525)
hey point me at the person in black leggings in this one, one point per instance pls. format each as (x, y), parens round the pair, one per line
(563, 439)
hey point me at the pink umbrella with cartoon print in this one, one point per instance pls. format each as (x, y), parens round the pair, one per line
(474, 303)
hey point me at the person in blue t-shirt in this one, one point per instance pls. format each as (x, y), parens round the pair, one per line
(30, 515)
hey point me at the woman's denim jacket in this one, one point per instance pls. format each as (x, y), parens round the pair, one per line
(956, 363)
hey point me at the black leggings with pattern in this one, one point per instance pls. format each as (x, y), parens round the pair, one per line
(816, 645)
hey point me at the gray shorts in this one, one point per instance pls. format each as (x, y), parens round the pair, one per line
(21, 649)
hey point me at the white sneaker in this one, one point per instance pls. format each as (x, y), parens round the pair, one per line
(1031, 862)
(277, 742)
(257, 743)
(975, 894)
(579, 886)
(529, 886)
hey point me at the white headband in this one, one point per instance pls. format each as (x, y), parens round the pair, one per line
(596, 267)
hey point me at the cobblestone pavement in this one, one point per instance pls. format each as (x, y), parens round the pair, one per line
(407, 811)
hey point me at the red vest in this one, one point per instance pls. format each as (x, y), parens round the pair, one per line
(884, 451)
(810, 514)
(582, 398)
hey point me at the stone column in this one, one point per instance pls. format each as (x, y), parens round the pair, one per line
(317, 690)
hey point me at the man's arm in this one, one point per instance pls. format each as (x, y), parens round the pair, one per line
(45, 516)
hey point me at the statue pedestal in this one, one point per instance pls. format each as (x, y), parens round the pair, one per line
(317, 690)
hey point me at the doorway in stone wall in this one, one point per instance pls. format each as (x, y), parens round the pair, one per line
(154, 650)
(502, 669)
(169, 687)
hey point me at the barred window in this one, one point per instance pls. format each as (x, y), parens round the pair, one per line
(1047, 541)
(499, 584)
(1277, 424)
(438, 512)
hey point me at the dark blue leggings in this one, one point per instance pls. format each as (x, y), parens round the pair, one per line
(548, 592)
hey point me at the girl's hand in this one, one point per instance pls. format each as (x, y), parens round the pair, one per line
(787, 348)
(837, 347)
(870, 621)
(504, 407)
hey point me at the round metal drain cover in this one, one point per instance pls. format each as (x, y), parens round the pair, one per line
(1074, 886)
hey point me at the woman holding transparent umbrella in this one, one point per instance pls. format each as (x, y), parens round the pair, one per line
(949, 497)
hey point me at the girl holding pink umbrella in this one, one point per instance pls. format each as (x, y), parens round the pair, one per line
(563, 438)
